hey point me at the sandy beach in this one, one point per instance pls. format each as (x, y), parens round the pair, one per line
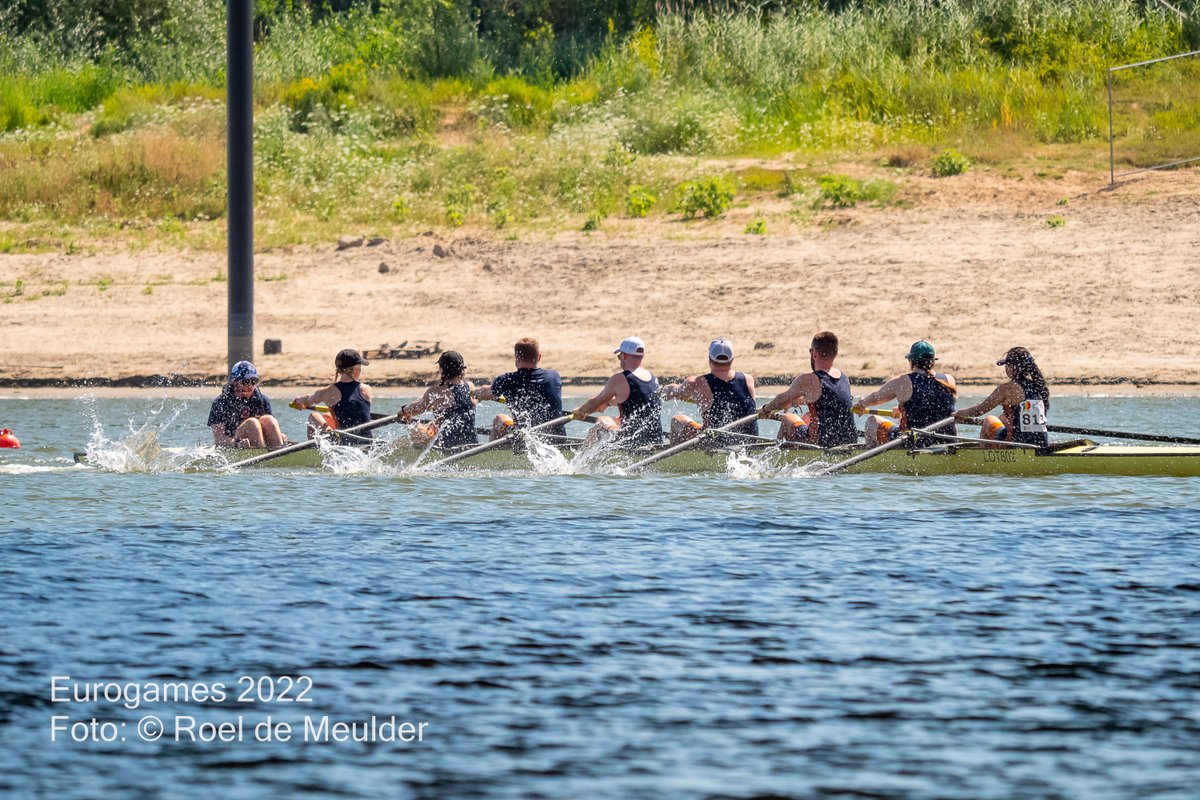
(1108, 301)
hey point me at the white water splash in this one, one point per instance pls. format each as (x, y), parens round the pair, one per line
(140, 449)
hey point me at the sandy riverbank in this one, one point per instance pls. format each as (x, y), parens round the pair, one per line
(969, 263)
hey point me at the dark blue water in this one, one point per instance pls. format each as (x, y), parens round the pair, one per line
(603, 636)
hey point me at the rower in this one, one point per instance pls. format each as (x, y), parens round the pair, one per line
(634, 390)
(925, 397)
(826, 391)
(533, 394)
(451, 403)
(1024, 400)
(348, 399)
(241, 416)
(722, 395)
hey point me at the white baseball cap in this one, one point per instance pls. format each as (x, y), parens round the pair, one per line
(720, 351)
(632, 346)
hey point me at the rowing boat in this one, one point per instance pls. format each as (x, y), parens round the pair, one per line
(1081, 457)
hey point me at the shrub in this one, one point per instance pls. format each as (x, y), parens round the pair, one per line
(592, 223)
(950, 162)
(839, 191)
(639, 201)
(707, 196)
(1056, 221)
(757, 228)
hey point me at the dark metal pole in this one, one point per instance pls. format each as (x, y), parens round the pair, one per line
(239, 87)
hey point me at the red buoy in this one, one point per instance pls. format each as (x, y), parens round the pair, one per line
(8, 440)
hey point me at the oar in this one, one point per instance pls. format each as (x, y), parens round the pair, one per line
(883, 448)
(308, 444)
(564, 419)
(321, 408)
(1141, 437)
(695, 440)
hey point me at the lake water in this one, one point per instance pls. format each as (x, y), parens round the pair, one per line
(598, 636)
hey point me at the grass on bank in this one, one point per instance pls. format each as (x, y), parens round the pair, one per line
(349, 134)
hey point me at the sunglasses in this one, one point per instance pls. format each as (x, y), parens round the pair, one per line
(247, 381)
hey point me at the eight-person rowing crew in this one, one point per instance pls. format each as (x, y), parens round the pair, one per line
(241, 416)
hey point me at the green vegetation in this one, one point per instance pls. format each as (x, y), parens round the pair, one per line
(708, 196)
(841, 191)
(950, 162)
(481, 112)
(758, 227)
(1056, 221)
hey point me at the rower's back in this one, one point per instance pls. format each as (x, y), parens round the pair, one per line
(933, 399)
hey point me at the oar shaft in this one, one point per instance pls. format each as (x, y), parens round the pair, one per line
(497, 442)
(883, 448)
(1140, 437)
(670, 451)
(309, 444)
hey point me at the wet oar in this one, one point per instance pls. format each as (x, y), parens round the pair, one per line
(695, 440)
(309, 444)
(564, 419)
(1141, 437)
(883, 448)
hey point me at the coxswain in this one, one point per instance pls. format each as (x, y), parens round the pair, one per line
(241, 416)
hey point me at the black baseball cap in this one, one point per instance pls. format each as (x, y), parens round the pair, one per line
(349, 358)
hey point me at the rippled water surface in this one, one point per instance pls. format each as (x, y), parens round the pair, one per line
(599, 635)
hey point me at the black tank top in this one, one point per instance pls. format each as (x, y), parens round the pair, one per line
(353, 409)
(731, 401)
(1012, 420)
(832, 421)
(930, 402)
(641, 414)
(456, 425)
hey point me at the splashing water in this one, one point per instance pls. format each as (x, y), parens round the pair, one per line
(140, 450)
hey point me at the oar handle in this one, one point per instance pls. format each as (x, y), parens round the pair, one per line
(320, 408)
(879, 412)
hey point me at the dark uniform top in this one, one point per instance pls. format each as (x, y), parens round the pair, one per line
(456, 425)
(831, 421)
(932, 401)
(641, 414)
(230, 410)
(533, 395)
(731, 401)
(1011, 415)
(353, 409)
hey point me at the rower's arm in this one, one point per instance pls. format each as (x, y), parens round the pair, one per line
(483, 393)
(791, 396)
(418, 406)
(685, 391)
(329, 396)
(601, 401)
(998, 397)
(886, 393)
